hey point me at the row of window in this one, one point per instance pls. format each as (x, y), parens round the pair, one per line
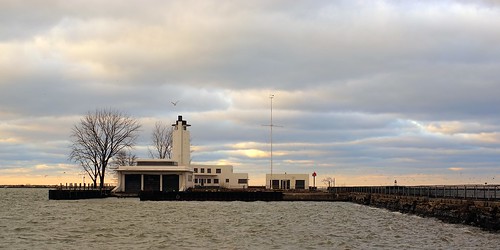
(208, 181)
(216, 181)
(209, 170)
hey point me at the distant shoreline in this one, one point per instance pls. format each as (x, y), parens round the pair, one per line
(28, 186)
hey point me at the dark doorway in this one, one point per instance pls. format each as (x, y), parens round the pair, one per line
(151, 182)
(285, 184)
(132, 183)
(300, 184)
(276, 184)
(170, 183)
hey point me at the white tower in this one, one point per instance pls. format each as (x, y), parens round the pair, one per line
(181, 149)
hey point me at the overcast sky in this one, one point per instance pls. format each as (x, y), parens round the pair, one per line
(366, 92)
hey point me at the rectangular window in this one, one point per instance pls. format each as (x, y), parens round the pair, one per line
(242, 181)
(216, 181)
(202, 170)
(227, 180)
(196, 170)
(300, 184)
(209, 181)
(195, 180)
(217, 171)
(209, 170)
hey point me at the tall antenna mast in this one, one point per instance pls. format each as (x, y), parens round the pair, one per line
(271, 136)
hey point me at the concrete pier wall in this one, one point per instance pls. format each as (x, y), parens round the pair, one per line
(484, 214)
(210, 196)
(314, 196)
(77, 194)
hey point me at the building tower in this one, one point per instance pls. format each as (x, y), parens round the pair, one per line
(181, 148)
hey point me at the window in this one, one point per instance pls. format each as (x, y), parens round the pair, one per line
(209, 170)
(242, 181)
(190, 178)
(216, 181)
(202, 170)
(195, 180)
(209, 181)
(217, 171)
(300, 184)
(196, 170)
(227, 180)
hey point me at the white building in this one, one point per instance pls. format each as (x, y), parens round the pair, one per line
(177, 174)
(287, 181)
(218, 176)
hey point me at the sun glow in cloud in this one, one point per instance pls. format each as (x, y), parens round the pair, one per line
(255, 153)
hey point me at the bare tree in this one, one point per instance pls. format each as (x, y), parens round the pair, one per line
(330, 181)
(99, 137)
(162, 137)
(124, 158)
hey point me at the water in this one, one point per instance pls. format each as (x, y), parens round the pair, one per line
(28, 220)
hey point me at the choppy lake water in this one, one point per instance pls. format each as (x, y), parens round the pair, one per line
(28, 220)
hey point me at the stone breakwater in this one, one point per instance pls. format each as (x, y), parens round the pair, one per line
(483, 214)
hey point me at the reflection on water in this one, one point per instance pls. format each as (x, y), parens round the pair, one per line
(28, 220)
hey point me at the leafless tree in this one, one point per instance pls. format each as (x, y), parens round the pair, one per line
(98, 138)
(162, 141)
(330, 181)
(124, 158)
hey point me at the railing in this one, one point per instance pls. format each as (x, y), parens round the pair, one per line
(477, 192)
(84, 186)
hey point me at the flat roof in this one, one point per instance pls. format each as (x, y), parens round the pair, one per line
(155, 168)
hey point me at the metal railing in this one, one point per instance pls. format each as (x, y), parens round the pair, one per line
(84, 186)
(477, 192)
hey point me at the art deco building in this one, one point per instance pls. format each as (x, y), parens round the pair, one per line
(177, 174)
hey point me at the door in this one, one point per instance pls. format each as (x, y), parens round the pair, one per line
(300, 184)
(151, 182)
(276, 184)
(170, 183)
(132, 183)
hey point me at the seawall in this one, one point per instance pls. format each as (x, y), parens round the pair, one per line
(59, 194)
(314, 196)
(241, 195)
(210, 196)
(480, 213)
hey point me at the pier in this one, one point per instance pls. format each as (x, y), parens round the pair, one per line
(204, 195)
(476, 205)
(74, 191)
(468, 192)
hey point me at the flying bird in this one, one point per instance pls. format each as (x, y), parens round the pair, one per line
(175, 103)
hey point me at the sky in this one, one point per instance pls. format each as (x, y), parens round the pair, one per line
(366, 92)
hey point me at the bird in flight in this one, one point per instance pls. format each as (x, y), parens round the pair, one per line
(175, 103)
